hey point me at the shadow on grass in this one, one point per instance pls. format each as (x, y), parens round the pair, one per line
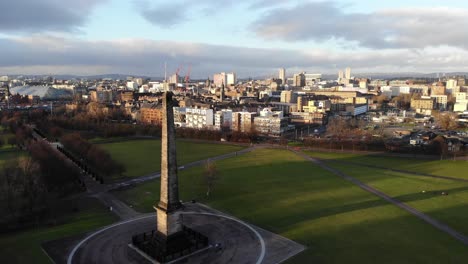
(387, 237)
(447, 169)
(339, 222)
(423, 195)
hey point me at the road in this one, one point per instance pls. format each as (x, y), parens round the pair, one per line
(448, 230)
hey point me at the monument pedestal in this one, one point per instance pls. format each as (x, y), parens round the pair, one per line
(168, 223)
(164, 248)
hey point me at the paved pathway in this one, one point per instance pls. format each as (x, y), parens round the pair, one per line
(460, 237)
(155, 175)
(122, 210)
(101, 191)
(240, 242)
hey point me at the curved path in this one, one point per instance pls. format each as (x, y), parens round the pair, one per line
(441, 226)
(240, 242)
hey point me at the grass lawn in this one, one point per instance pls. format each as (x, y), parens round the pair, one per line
(8, 155)
(450, 168)
(336, 220)
(25, 246)
(142, 157)
(450, 209)
(4, 138)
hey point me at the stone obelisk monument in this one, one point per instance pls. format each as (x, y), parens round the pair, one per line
(171, 239)
(168, 218)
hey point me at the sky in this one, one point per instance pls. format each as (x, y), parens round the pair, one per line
(249, 37)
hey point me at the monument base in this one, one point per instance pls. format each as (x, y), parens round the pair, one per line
(167, 248)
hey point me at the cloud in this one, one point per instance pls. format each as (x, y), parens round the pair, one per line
(166, 15)
(388, 28)
(48, 55)
(44, 15)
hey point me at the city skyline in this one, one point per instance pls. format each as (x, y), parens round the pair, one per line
(251, 38)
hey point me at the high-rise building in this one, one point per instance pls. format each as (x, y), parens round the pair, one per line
(312, 78)
(270, 122)
(461, 102)
(219, 79)
(286, 97)
(348, 73)
(198, 118)
(299, 80)
(174, 78)
(243, 121)
(231, 78)
(340, 75)
(451, 83)
(223, 119)
(282, 75)
(133, 86)
(221, 93)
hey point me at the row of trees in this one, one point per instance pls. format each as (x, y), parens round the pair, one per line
(109, 129)
(58, 173)
(22, 187)
(97, 158)
(30, 185)
(350, 134)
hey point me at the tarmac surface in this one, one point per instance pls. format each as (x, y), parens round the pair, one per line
(239, 242)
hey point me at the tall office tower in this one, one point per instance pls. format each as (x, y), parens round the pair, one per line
(221, 93)
(282, 75)
(299, 80)
(231, 78)
(219, 79)
(340, 75)
(174, 78)
(348, 73)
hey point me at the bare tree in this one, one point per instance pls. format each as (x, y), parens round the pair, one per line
(339, 128)
(210, 176)
(10, 187)
(440, 145)
(446, 120)
(31, 181)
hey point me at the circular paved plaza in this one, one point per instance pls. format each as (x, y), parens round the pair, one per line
(239, 242)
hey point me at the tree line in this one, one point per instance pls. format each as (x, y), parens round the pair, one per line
(94, 156)
(31, 185)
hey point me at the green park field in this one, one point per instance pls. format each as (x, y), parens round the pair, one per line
(142, 157)
(336, 220)
(451, 168)
(422, 193)
(7, 155)
(25, 246)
